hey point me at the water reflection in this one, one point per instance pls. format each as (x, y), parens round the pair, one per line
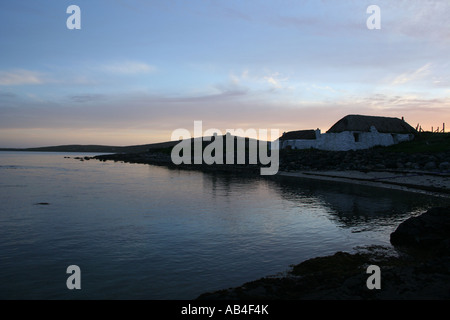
(353, 206)
(356, 206)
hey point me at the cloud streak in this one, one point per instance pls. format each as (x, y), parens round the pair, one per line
(418, 74)
(128, 68)
(272, 79)
(20, 77)
(83, 98)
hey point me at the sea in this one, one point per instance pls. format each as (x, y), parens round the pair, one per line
(138, 231)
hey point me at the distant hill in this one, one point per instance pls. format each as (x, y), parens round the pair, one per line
(108, 149)
(97, 148)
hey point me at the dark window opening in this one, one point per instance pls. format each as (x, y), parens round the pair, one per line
(356, 136)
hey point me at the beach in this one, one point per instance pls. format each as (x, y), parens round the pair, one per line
(423, 182)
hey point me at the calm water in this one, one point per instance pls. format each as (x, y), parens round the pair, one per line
(146, 232)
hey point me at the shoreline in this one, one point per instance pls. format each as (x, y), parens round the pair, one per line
(417, 182)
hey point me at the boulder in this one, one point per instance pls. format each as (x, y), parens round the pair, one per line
(444, 165)
(380, 166)
(430, 165)
(430, 230)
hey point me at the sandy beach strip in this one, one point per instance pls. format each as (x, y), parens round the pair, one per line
(437, 184)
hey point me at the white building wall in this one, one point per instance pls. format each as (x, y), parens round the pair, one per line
(344, 141)
(341, 141)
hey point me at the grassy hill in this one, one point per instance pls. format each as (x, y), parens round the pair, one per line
(424, 142)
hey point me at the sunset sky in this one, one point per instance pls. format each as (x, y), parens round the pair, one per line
(137, 70)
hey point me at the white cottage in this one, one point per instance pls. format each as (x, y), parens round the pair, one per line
(353, 132)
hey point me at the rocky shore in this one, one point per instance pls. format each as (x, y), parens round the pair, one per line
(376, 159)
(426, 172)
(417, 267)
(163, 159)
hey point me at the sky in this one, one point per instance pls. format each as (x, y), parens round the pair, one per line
(138, 70)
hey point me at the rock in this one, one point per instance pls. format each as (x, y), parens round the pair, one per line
(390, 164)
(430, 230)
(444, 165)
(380, 166)
(430, 165)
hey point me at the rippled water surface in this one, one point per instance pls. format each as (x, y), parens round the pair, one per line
(147, 232)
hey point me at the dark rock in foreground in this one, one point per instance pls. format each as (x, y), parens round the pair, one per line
(431, 230)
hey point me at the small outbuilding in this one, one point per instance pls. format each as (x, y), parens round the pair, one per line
(300, 139)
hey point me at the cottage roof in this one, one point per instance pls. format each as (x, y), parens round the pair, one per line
(299, 135)
(363, 123)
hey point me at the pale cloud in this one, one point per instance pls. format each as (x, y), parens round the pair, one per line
(413, 76)
(274, 80)
(237, 79)
(129, 67)
(234, 79)
(414, 107)
(20, 77)
(82, 98)
(424, 19)
(326, 89)
(35, 98)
